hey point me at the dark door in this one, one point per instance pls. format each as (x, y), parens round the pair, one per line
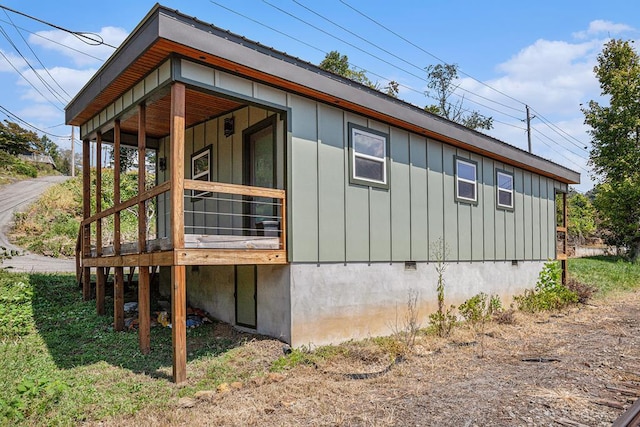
(245, 293)
(260, 171)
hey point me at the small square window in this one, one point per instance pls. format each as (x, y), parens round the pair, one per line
(368, 156)
(504, 189)
(466, 181)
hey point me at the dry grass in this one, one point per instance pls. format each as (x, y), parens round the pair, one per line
(442, 382)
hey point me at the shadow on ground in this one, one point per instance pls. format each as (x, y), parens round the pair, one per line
(75, 335)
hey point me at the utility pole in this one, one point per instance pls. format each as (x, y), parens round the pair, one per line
(528, 127)
(529, 117)
(73, 153)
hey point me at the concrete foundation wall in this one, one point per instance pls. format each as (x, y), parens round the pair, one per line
(331, 303)
(212, 289)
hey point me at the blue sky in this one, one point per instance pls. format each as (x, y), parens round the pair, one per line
(536, 53)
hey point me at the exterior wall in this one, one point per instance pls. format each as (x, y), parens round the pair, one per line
(226, 167)
(212, 289)
(336, 221)
(331, 303)
(332, 220)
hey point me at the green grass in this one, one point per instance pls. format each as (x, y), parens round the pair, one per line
(61, 364)
(609, 274)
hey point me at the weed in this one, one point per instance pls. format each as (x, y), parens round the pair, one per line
(297, 356)
(477, 310)
(548, 294)
(442, 320)
(406, 331)
(584, 291)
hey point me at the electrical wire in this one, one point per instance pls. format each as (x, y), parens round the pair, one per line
(427, 52)
(373, 55)
(47, 86)
(55, 42)
(80, 35)
(28, 81)
(568, 137)
(35, 55)
(396, 56)
(372, 73)
(15, 117)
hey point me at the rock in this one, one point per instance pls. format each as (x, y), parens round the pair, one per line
(236, 385)
(275, 377)
(223, 388)
(186, 402)
(205, 395)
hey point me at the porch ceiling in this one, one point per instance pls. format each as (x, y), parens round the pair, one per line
(199, 107)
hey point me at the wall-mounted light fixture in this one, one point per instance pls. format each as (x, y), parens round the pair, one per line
(229, 126)
(162, 163)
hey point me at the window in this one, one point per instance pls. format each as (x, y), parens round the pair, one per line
(505, 189)
(466, 181)
(368, 156)
(201, 168)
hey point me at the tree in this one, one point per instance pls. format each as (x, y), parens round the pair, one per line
(442, 84)
(337, 63)
(128, 158)
(581, 217)
(16, 140)
(615, 140)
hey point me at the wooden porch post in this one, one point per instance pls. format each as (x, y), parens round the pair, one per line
(144, 297)
(100, 277)
(142, 141)
(178, 272)
(118, 273)
(86, 213)
(144, 310)
(565, 224)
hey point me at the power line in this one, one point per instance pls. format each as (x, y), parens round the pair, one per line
(35, 55)
(82, 36)
(561, 132)
(10, 114)
(372, 73)
(375, 56)
(27, 80)
(427, 52)
(393, 54)
(53, 92)
(55, 42)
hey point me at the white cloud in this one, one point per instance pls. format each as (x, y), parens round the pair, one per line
(600, 27)
(79, 49)
(7, 59)
(70, 79)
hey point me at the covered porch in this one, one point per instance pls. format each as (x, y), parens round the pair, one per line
(189, 213)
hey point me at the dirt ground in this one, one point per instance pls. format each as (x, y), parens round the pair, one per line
(580, 367)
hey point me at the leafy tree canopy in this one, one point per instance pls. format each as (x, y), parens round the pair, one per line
(337, 63)
(16, 140)
(615, 139)
(441, 85)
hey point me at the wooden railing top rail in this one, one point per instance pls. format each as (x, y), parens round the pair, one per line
(142, 197)
(243, 190)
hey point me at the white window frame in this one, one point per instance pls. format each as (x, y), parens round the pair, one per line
(460, 179)
(383, 138)
(504, 190)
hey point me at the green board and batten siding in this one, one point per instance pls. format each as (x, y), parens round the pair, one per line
(332, 220)
(336, 221)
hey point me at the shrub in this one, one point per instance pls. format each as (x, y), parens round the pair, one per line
(548, 294)
(584, 291)
(479, 308)
(25, 169)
